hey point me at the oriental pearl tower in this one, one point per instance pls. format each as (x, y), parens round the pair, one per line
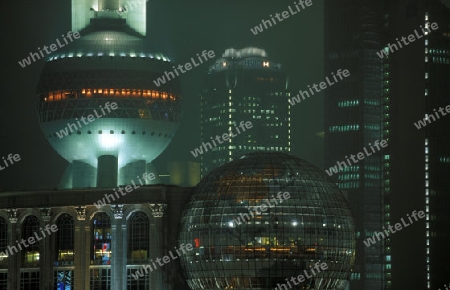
(110, 62)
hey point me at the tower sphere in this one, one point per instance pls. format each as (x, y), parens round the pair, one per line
(260, 220)
(108, 66)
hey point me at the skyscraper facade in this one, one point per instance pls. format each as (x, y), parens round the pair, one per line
(243, 86)
(353, 120)
(400, 53)
(417, 85)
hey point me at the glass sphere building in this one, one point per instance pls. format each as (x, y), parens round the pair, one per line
(238, 246)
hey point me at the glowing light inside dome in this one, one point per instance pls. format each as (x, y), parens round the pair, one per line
(108, 141)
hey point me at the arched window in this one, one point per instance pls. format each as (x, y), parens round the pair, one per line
(138, 250)
(64, 247)
(32, 235)
(64, 240)
(101, 239)
(138, 238)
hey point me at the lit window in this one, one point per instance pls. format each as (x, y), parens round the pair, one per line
(65, 240)
(30, 255)
(138, 237)
(101, 239)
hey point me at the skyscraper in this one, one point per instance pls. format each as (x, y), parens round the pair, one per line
(400, 54)
(417, 86)
(243, 86)
(353, 120)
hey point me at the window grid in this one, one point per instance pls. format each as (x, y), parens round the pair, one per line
(30, 255)
(101, 239)
(29, 280)
(65, 240)
(138, 238)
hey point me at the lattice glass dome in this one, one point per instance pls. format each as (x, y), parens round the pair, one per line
(236, 247)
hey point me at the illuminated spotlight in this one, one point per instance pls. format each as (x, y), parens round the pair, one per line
(109, 141)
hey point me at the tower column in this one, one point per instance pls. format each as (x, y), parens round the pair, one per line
(107, 171)
(131, 171)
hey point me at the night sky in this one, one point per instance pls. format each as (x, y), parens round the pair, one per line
(180, 29)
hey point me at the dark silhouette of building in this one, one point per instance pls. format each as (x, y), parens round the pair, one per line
(396, 81)
(353, 119)
(417, 80)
